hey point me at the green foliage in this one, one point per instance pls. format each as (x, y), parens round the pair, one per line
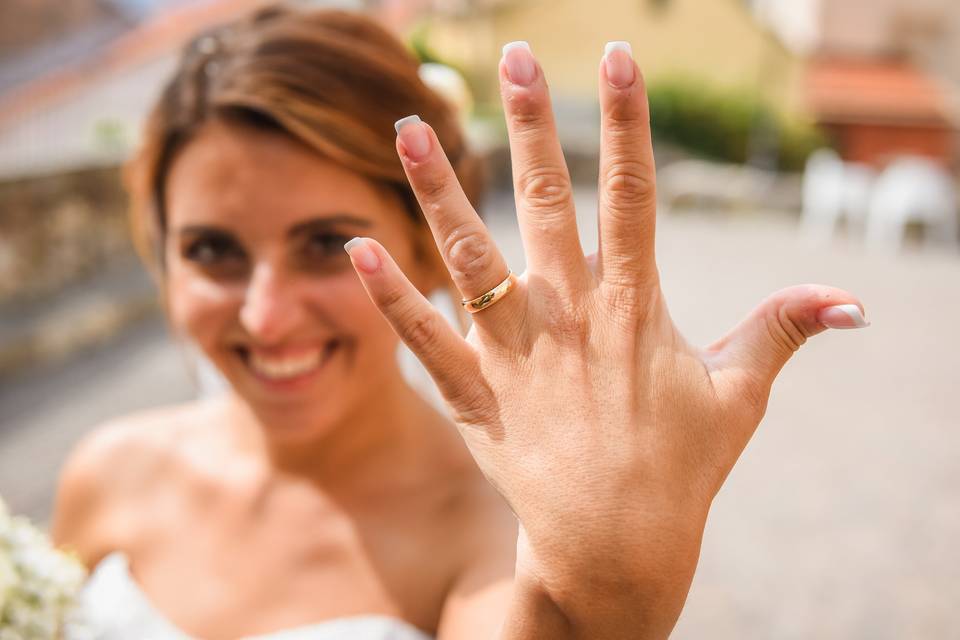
(418, 42)
(109, 134)
(727, 125)
(797, 141)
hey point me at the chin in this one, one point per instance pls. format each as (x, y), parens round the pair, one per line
(298, 427)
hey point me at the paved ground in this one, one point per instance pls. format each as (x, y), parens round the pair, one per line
(42, 414)
(842, 520)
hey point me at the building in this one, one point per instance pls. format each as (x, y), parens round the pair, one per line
(883, 75)
(718, 41)
(877, 109)
(86, 110)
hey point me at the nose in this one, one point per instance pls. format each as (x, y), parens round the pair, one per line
(271, 308)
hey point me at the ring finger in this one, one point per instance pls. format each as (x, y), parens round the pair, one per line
(472, 258)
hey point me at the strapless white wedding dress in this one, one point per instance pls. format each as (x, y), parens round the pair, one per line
(115, 608)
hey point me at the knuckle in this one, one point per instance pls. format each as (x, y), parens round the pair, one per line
(390, 299)
(432, 186)
(569, 320)
(627, 118)
(468, 252)
(419, 331)
(471, 402)
(624, 295)
(570, 327)
(753, 398)
(631, 299)
(528, 109)
(630, 184)
(545, 189)
(784, 333)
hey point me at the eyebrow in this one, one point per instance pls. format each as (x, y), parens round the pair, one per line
(307, 226)
(324, 223)
(201, 229)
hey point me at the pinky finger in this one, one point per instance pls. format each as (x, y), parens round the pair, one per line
(446, 355)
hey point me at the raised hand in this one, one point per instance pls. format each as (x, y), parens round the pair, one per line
(607, 433)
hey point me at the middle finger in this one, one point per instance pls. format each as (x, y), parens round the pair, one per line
(544, 195)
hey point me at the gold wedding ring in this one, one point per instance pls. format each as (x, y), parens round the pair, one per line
(490, 297)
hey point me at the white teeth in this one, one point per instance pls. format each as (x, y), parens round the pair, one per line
(279, 368)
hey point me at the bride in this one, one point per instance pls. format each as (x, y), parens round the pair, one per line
(320, 496)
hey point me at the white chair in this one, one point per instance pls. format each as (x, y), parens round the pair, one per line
(834, 190)
(918, 190)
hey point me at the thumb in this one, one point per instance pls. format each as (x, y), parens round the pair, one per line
(761, 344)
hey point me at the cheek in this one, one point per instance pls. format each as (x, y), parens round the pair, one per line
(199, 308)
(345, 303)
(205, 311)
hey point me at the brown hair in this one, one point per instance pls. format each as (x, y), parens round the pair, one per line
(334, 80)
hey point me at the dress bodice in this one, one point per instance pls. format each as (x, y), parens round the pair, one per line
(117, 609)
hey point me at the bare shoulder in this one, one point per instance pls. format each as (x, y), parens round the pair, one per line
(485, 527)
(110, 469)
(480, 591)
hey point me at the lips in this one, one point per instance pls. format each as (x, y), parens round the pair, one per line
(290, 367)
(286, 365)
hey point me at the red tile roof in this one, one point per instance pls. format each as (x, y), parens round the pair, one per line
(875, 92)
(167, 32)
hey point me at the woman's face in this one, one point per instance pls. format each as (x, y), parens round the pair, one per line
(259, 279)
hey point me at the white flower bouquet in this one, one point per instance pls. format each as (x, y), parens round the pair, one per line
(39, 585)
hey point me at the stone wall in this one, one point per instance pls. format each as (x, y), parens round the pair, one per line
(58, 228)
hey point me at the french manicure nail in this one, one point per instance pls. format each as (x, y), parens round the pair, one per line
(618, 60)
(362, 255)
(842, 316)
(413, 136)
(518, 58)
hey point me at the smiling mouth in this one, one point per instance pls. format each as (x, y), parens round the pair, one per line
(287, 368)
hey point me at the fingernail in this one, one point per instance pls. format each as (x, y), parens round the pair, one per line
(413, 136)
(518, 58)
(618, 60)
(362, 255)
(842, 316)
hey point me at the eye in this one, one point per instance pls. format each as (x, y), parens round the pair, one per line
(211, 250)
(325, 245)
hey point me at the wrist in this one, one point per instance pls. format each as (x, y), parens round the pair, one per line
(631, 582)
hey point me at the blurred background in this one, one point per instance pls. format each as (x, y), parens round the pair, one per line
(796, 141)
